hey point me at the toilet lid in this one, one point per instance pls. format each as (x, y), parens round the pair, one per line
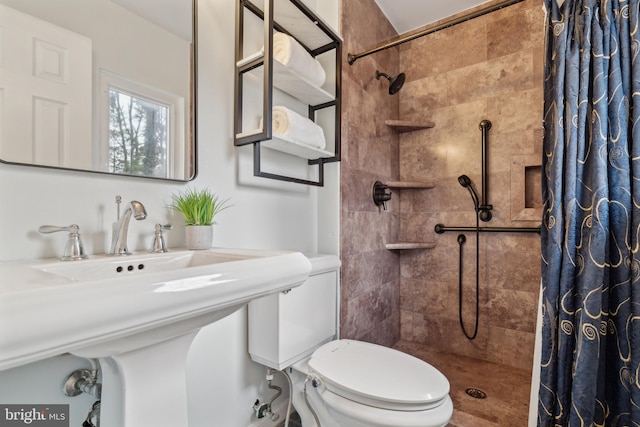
(379, 376)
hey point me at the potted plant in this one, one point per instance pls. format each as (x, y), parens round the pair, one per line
(199, 208)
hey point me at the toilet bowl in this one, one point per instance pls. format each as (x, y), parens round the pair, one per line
(358, 384)
(341, 382)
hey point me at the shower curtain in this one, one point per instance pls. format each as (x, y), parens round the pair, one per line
(590, 366)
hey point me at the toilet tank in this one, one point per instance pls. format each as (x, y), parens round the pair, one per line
(288, 326)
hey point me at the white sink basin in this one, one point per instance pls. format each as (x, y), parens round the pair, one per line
(137, 315)
(126, 267)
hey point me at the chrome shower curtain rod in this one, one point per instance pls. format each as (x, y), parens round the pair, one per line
(351, 57)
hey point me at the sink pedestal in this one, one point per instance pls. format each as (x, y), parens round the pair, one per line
(147, 386)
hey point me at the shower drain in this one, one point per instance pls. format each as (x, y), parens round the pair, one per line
(476, 393)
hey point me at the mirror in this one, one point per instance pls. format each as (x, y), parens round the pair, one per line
(99, 85)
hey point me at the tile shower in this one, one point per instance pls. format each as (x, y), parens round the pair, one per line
(488, 68)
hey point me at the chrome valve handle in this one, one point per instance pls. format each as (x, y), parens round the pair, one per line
(159, 244)
(46, 229)
(74, 250)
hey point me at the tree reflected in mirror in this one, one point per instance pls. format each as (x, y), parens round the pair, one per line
(138, 135)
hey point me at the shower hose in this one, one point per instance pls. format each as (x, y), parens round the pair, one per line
(461, 240)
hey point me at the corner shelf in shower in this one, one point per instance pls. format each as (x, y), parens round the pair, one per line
(402, 126)
(409, 184)
(409, 245)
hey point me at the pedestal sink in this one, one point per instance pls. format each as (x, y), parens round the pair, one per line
(136, 314)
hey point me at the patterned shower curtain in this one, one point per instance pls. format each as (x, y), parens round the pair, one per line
(590, 367)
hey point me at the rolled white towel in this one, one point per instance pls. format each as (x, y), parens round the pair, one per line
(290, 53)
(296, 128)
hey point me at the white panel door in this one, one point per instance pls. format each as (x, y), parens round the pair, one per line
(45, 93)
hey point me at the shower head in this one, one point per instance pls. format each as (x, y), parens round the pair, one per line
(395, 83)
(465, 181)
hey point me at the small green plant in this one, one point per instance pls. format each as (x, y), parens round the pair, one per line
(199, 207)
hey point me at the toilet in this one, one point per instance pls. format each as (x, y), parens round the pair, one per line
(341, 382)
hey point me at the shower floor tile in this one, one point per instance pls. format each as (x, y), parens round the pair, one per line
(507, 388)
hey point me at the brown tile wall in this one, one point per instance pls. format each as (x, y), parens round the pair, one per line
(487, 68)
(370, 273)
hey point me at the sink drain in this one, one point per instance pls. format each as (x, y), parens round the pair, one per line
(476, 393)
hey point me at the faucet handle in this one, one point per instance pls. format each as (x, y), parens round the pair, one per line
(159, 245)
(74, 250)
(46, 229)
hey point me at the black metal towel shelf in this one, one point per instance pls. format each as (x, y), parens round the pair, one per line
(441, 228)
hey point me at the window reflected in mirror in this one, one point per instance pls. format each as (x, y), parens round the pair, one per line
(137, 135)
(99, 85)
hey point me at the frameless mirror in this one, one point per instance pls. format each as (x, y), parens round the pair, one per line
(99, 85)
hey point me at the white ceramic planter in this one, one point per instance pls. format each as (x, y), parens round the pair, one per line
(199, 236)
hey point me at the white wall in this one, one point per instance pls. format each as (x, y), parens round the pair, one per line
(222, 381)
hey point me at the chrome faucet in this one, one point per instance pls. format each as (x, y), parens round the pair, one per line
(120, 228)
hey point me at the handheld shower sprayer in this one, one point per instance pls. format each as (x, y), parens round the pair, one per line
(483, 211)
(465, 181)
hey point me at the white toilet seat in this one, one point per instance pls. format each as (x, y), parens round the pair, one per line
(345, 412)
(379, 377)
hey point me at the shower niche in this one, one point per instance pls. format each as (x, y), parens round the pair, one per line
(526, 187)
(263, 81)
